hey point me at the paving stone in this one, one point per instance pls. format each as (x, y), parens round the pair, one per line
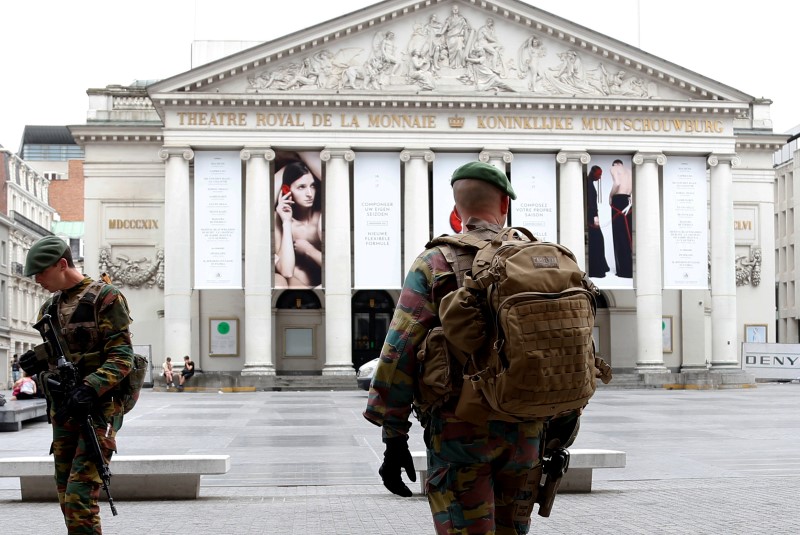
(700, 462)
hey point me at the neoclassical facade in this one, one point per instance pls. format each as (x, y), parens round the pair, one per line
(370, 113)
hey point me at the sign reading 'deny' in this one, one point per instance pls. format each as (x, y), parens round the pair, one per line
(772, 361)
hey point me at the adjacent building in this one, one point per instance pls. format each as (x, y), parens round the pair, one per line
(52, 152)
(260, 211)
(27, 216)
(787, 161)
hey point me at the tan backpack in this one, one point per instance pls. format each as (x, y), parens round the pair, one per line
(523, 314)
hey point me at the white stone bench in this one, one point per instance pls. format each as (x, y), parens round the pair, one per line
(16, 411)
(133, 477)
(577, 479)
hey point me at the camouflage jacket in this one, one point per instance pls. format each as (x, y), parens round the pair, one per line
(105, 361)
(392, 391)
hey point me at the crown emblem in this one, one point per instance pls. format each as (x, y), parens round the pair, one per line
(456, 122)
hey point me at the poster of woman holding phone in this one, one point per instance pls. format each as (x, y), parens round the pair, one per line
(298, 221)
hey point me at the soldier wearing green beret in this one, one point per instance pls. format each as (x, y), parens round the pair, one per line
(92, 318)
(477, 474)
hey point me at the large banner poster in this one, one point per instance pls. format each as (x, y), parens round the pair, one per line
(376, 221)
(533, 177)
(217, 220)
(444, 218)
(298, 220)
(685, 208)
(609, 221)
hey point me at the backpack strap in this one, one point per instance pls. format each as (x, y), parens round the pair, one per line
(86, 310)
(460, 249)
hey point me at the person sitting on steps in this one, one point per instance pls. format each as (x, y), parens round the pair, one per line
(186, 373)
(166, 371)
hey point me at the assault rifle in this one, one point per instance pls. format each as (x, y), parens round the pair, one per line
(70, 380)
(554, 466)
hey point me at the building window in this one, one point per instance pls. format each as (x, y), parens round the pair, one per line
(55, 176)
(299, 342)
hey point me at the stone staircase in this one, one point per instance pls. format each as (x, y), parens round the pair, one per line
(234, 382)
(624, 381)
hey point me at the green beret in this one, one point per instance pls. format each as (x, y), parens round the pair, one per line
(43, 254)
(487, 173)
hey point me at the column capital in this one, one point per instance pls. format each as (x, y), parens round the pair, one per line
(572, 156)
(411, 154)
(492, 154)
(328, 154)
(715, 159)
(656, 157)
(249, 152)
(167, 152)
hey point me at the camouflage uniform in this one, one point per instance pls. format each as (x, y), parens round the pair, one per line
(106, 357)
(476, 474)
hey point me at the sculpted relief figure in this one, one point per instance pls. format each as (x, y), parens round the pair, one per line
(422, 52)
(420, 71)
(385, 50)
(530, 55)
(487, 40)
(438, 47)
(569, 76)
(481, 72)
(452, 56)
(457, 32)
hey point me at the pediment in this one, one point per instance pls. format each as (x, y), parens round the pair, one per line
(406, 49)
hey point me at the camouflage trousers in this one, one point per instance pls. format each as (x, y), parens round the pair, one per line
(481, 480)
(77, 481)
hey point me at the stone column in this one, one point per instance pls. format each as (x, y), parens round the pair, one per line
(571, 210)
(338, 263)
(647, 217)
(257, 268)
(724, 353)
(496, 157)
(177, 253)
(415, 208)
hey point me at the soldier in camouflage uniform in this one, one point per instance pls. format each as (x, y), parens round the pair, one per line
(477, 474)
(100, 348)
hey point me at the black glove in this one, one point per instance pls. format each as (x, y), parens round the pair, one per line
(395, 459)
(30, 364)
(80, 402)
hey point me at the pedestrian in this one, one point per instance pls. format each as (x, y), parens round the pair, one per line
(24, 388)
(91, 319)
(166, 371)
(186, 373)
(15, 369)
(477, 473)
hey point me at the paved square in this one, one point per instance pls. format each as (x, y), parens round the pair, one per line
(706, 462)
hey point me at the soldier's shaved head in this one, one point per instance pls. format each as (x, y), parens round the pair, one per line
(473, 194)
(477, 198)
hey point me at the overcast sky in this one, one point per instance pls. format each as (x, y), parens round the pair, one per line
(55, 50)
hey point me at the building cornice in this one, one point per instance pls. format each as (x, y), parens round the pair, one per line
(427, 101)
(115, 133)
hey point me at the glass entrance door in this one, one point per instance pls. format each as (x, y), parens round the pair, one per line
(372, 313)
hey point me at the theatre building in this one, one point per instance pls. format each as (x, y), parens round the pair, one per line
(260, 211)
